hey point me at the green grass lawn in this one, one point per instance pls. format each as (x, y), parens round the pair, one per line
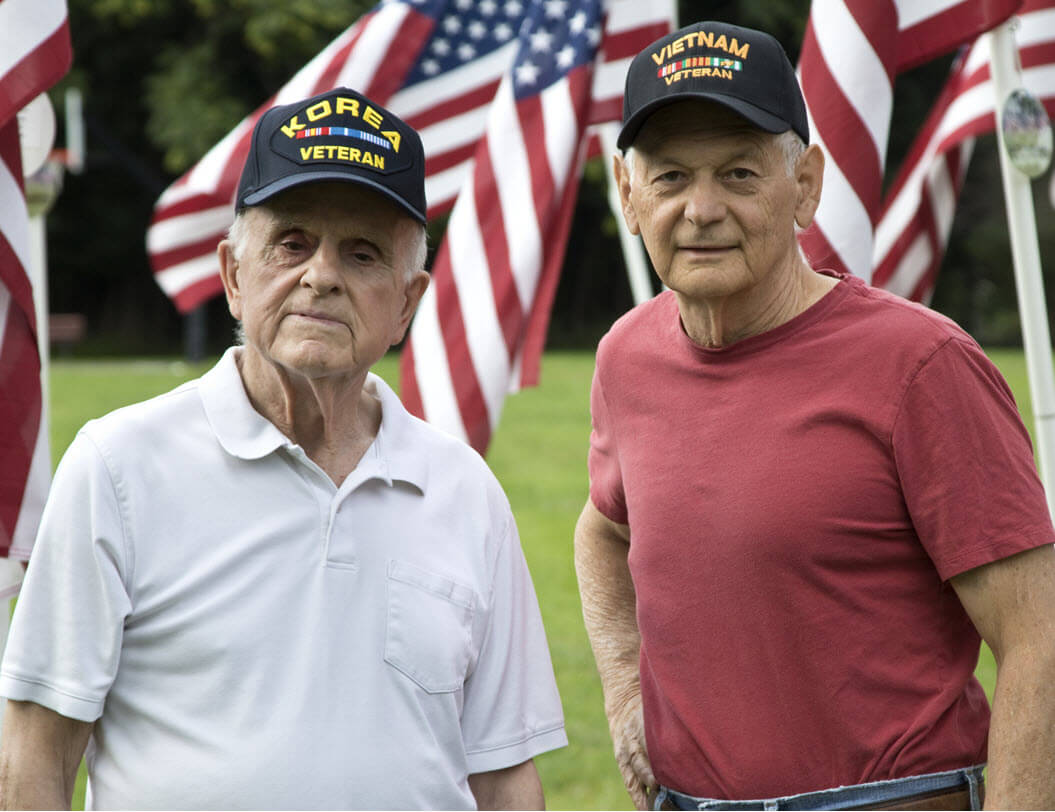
(539, 455)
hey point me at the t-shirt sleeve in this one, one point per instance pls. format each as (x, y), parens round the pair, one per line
(966, 463)
(512, 708)
(65, 639)
(606, 476)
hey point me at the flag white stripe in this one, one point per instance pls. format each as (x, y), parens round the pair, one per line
(24, 26)
(177, 277)
(914, 12)
(483, 331)
(366, 58)
(911, 267)
(432, 370)
(15, 216)
(558, 110)
(5, 303)
(174, 232)
(425, 95)
(505, 140)
(454, 132)
(37, 484)
(841, 206)
(626, 15)
(941, 196)
(442, 187)
(855, 66)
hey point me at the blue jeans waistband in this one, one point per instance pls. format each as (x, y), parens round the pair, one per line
(856, 795)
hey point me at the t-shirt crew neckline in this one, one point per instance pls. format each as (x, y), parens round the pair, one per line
(755, 343)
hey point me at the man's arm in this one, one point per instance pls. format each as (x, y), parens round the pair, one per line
(1012, 604)
(39, 756)
(516, 787)
(609, 610)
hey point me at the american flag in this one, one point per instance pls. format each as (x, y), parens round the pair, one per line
(917, 215)
(34, 53)
(480, 328)
(435, 63)
(851, 54)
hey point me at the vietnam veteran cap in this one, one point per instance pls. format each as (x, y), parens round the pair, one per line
(740, 68)
(337, 135)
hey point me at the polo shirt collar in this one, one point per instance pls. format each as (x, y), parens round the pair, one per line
(241, 430)
(402, 455)
(245, 433)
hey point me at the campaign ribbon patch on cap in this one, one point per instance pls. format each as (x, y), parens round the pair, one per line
(341, 130)
(721, 67)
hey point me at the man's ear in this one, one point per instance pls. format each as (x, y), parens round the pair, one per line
(621, 170)
(809, 176)
(412, 293)
(229, 276)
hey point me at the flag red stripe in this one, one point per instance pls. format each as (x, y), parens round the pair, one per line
(816, 245)
(834, 117)
(626, 44)
(196, 293)
(12, 274)
(538, 319)
(445, 160)
(949, 29)
(37, 71)
(20, 410)
(400, 58)
(185, 253)
(878, 21)
(409, 391)
(470, 397)
(496, 248)
(455, 105)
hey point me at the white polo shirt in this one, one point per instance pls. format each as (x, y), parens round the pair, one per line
(248, 635)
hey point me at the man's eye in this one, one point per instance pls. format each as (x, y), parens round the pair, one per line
(741, 173)
(672, 176)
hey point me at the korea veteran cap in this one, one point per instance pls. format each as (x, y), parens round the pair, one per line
(337, 135)
(740, 68)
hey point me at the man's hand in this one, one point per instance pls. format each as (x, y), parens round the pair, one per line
(609, 611)
(627, 726)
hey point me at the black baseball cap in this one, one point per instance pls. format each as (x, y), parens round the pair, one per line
(740, 68)
(337, 135)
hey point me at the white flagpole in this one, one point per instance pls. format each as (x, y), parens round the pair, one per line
(1007, 76)
(637, 268)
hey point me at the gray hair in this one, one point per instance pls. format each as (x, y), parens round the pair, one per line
(789, 141)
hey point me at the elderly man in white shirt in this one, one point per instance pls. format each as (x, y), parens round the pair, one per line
(273, 587)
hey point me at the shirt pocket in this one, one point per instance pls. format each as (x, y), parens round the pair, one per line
(428, 634)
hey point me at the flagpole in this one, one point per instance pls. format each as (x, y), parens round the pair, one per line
(1025, 252)
(633, 252)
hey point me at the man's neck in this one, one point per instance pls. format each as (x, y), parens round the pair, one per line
(716, 323)
(333, 419)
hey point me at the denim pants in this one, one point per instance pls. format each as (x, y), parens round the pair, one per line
(857, 795)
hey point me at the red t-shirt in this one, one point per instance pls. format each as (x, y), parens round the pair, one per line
(797, 502)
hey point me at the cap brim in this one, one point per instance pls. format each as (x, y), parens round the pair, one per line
(288, 182)
(756, 115)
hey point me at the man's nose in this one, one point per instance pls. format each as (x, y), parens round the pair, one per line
(322, 272)
(705, 203)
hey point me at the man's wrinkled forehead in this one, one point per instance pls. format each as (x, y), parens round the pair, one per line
(345, 207)
(696, 121)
